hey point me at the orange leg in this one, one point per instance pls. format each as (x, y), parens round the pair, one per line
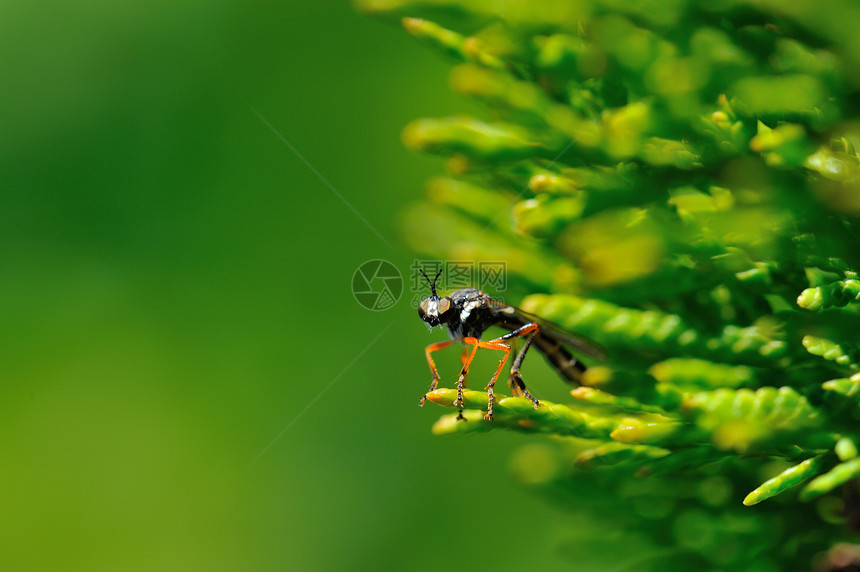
(461, 381)
(435, 381)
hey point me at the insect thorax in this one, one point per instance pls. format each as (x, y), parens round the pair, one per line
(474, 313)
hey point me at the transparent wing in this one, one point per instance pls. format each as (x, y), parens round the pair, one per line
(552, 330)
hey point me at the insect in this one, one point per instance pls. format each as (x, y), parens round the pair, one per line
(469, 312)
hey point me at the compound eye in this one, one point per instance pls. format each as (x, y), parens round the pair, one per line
(422, 308)
(444, 305)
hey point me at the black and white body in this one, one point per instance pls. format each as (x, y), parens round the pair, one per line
(468, 312)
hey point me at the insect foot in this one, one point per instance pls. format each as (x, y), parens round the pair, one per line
(461, 383)
(519, 388)
(433, 383)
(490, 400)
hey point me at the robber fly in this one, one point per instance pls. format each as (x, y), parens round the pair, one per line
(469, 312)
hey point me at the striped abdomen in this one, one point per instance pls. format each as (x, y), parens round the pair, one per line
(560, 358)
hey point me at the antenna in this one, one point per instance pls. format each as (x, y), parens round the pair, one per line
(432, 282)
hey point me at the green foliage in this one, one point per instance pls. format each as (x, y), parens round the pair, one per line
(678, 182)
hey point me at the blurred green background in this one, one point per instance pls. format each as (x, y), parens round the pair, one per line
(175, 291)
